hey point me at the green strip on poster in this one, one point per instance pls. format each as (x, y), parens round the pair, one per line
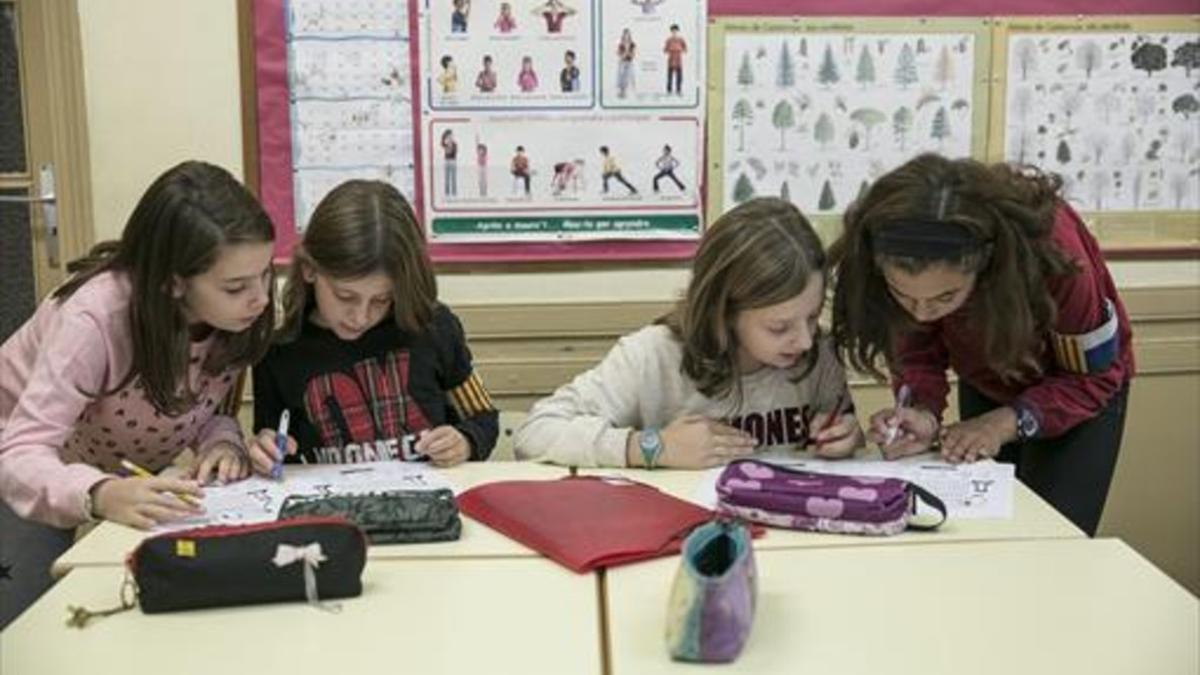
(571, 225)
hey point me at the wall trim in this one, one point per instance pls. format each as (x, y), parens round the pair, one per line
(1162, 302)
(524, 351)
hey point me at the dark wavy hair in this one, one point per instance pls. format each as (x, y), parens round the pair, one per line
(1008, 209)
(359, 228)
(177, 231)
(761, 253)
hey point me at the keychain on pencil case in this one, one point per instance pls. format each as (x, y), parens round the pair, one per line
(314, 560)
(79, 616)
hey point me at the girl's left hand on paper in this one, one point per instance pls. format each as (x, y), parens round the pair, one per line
(979, 437)
(223, 463)
(840, 440)
(444, 445)
(264, 454)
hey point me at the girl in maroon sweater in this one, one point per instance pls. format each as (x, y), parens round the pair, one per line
(984, 269)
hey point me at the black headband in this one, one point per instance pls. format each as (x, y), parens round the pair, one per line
(927, 240)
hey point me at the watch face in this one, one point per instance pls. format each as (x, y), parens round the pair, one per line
(1026, 424)
(650, 439)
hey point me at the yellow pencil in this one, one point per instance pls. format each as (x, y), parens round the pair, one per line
(139, 471)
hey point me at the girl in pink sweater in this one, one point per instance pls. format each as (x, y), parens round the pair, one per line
(131, 359)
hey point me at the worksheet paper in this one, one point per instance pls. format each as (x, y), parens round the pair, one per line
(979, 490)
(258, 499)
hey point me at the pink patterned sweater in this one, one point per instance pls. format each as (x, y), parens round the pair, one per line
(56, 441)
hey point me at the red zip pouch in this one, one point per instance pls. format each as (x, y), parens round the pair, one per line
(306, 559)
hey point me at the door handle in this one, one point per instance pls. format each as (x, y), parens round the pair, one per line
(49, 203)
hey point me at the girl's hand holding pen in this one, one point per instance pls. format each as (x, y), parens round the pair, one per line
(264, 453)
(910, 430)
(444, 445)
(835, 434)
(838, 435)
(146, 502)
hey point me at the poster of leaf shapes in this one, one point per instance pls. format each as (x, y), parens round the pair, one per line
(816, 116)
(1115, 113)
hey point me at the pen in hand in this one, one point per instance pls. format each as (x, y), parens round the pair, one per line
(902, 397)
(834, 416)
(142, 473)
(281, 445)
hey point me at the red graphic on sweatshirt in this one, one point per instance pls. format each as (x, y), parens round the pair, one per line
(370, 402)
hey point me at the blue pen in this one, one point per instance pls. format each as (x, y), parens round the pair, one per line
(281, 445)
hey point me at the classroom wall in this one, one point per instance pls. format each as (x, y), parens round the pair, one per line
(162, 85)
(161, 79)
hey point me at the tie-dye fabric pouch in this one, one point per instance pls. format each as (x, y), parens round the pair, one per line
(781, 496)
(712, 600)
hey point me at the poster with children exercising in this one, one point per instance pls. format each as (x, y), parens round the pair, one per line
(502, 121)
(538, 178)
(566, 147)
(651, 53)
(524, 55)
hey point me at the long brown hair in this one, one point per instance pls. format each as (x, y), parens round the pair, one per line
(177, 231)
(359, 228)
(1008, 211)
(761, 253)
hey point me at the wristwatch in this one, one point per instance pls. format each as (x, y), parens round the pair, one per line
(1027, 422)
(89, 502)
(651, 444)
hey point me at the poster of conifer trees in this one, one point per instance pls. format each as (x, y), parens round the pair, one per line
(1109, 104)
(814, 110)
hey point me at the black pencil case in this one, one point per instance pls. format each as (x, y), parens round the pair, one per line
(311, 559)
(388, 517)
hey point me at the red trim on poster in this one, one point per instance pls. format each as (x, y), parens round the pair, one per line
(972, 8)
(274, 122)
(414, 93)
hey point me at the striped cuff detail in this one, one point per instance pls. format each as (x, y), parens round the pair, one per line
(471, 398)
(1091, 352)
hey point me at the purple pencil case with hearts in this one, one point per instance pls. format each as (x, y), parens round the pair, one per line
(780, 496)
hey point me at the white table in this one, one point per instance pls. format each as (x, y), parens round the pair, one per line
(1028, 607)
(109, 543)
(513, 615)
